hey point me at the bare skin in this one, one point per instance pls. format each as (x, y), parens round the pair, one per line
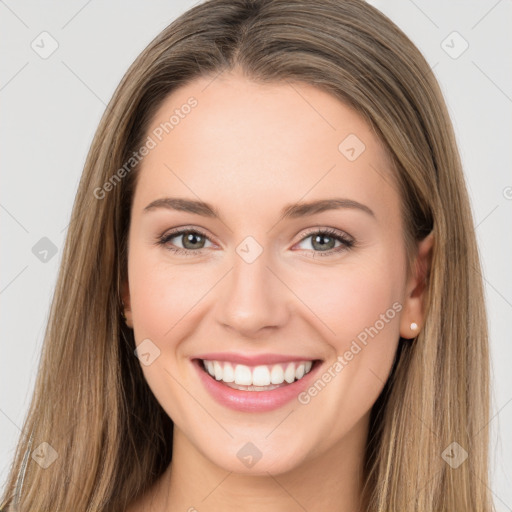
(249, 150)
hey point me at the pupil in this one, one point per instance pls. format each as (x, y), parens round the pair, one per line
(322, 239)
(190, 238)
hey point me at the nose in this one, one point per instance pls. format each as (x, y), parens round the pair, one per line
(254, 299)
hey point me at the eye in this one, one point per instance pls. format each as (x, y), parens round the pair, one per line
(323, 241)
(192, 241)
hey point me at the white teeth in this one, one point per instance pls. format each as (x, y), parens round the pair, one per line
(258, 378)
(243, 375)
(277, 374)
(217, 368)
(289, 373)
(209, 367)
(229, 373)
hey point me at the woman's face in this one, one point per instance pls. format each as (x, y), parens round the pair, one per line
(298, 258)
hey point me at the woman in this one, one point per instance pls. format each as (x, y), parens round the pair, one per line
(205, 351)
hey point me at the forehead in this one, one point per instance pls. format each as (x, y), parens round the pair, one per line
(247, 146)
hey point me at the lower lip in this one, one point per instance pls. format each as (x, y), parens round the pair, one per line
(253, 401)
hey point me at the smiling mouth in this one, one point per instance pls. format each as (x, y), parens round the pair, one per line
(257, 378)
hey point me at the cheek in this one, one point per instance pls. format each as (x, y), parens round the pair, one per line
(162, 297)
(161, 294)
(350, 298)
(353, 307)
(361, 304)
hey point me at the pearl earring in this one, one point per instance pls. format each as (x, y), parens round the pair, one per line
(414, 326)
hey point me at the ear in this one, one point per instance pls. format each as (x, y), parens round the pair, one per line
(125, 295)
(414, 304)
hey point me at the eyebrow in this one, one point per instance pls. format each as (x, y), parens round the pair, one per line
(291, 211)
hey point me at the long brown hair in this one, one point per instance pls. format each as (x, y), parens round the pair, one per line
(91, 403)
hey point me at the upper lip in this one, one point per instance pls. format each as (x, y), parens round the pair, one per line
(253, 360)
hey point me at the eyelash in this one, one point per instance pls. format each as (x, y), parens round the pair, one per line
(346, 242)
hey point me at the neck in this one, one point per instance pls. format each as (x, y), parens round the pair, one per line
(327, 481)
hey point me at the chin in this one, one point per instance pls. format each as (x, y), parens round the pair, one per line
(257, 457)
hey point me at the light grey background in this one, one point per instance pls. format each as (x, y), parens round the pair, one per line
(51, 108)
